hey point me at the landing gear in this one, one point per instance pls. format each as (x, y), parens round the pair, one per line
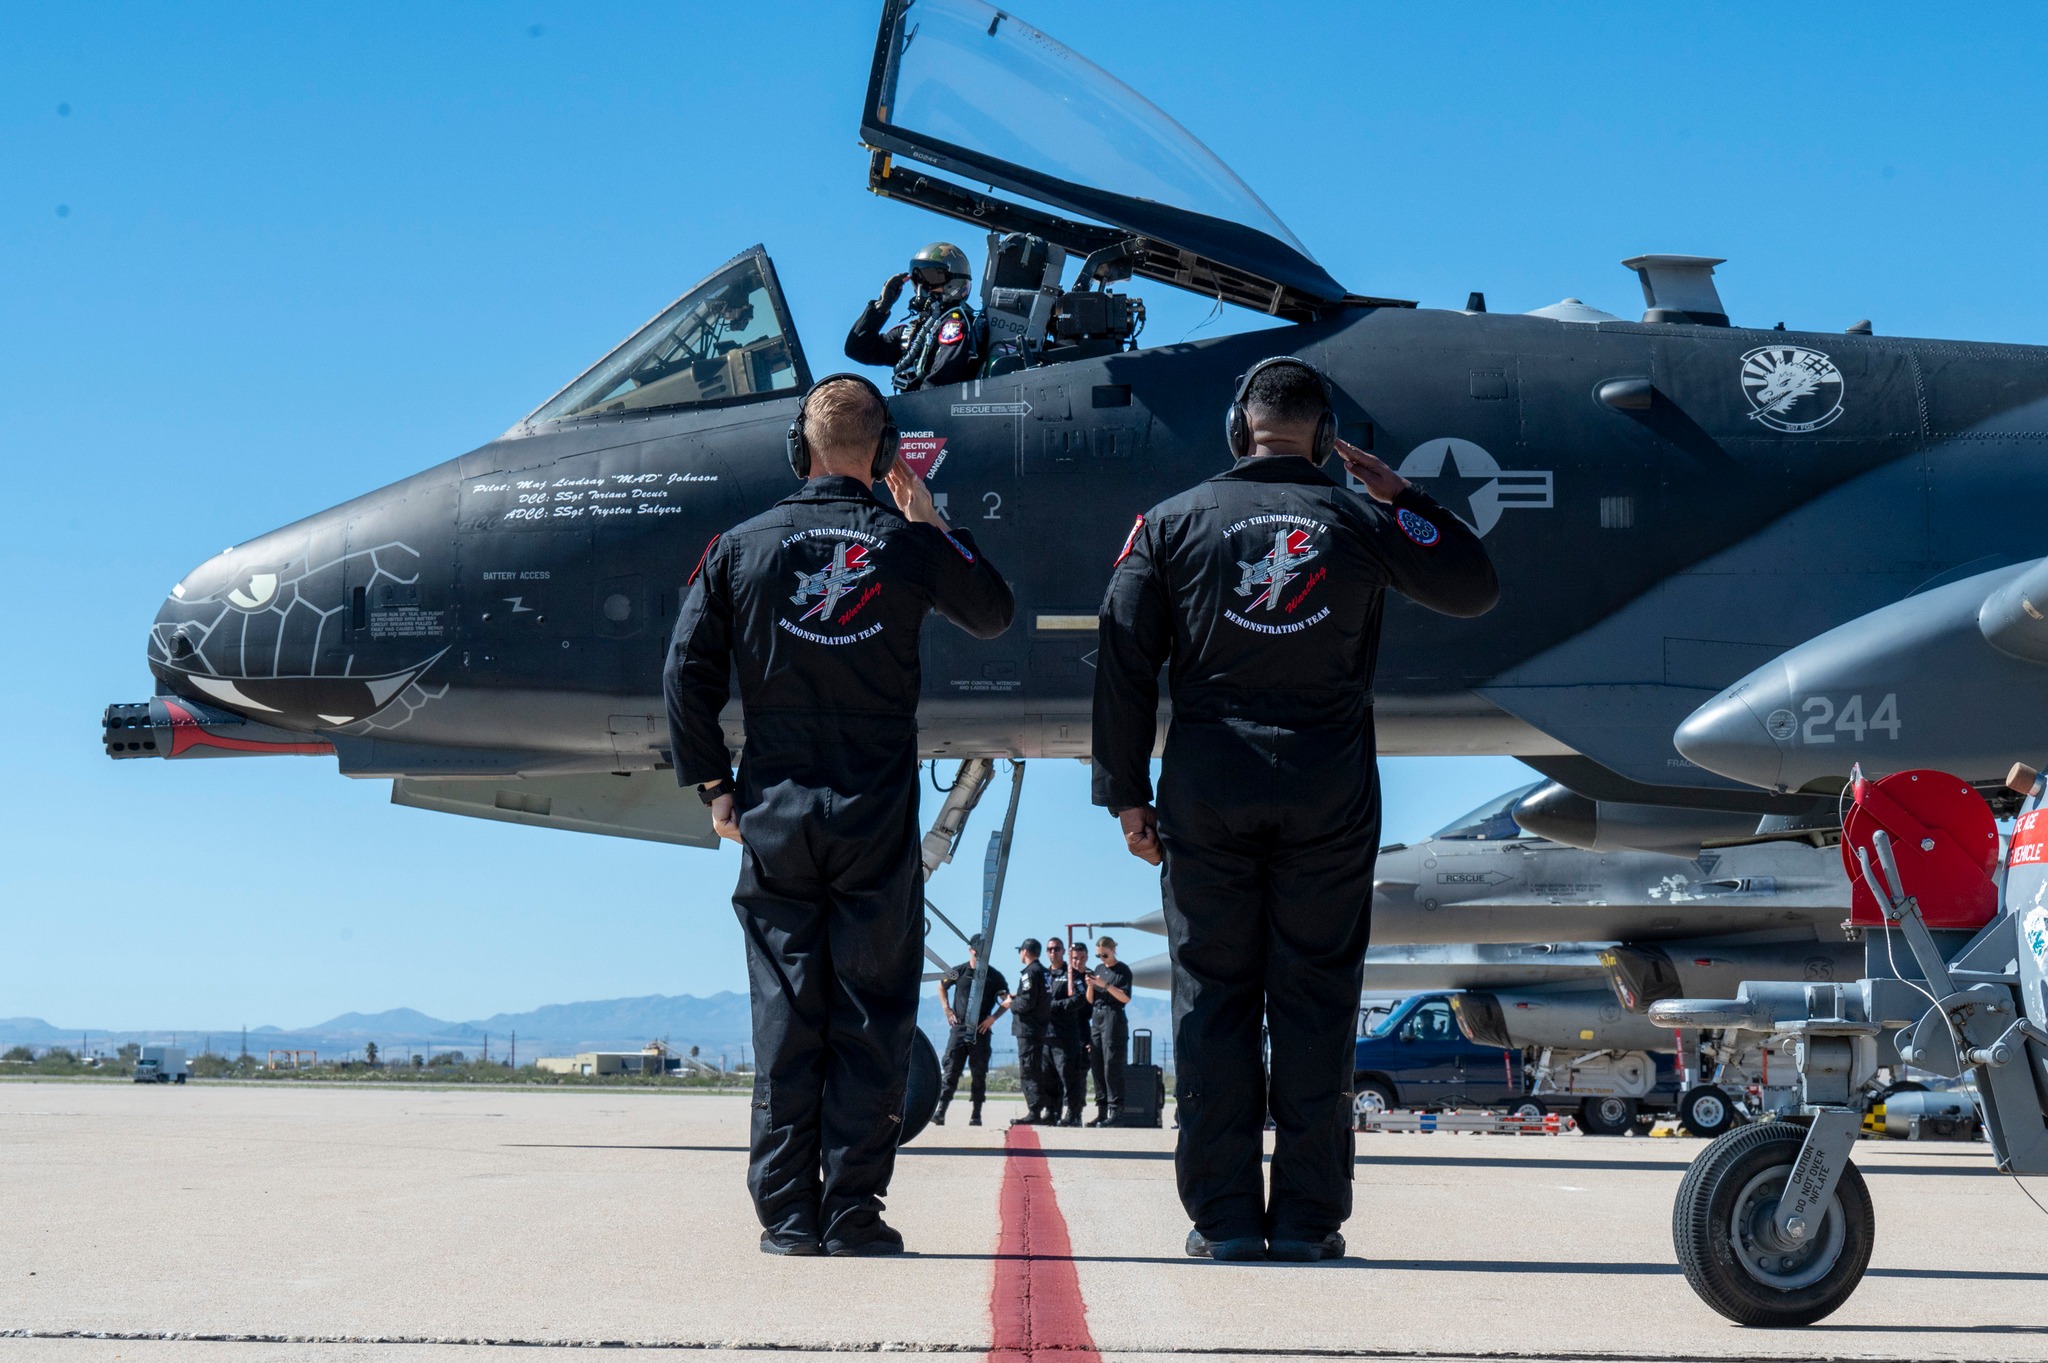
(1707, 1111)
(1607, 1116)
(921, 1090)
(1724, 1228)
(1528, 1109)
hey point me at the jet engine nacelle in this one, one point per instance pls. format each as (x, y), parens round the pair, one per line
(1954, 678)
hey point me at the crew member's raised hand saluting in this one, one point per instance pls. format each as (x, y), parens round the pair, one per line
(1382, 484)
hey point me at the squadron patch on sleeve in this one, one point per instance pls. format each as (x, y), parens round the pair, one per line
(1130, 540)
(1417, 528)
(964, 551)
(951, 330)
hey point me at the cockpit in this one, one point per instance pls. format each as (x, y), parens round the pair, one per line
(1493, 821)
(727, 338)
(1077, 181)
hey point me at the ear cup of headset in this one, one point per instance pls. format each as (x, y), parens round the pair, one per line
(885, 448)
(1237, 428)
(799, 452)
(1325, 443)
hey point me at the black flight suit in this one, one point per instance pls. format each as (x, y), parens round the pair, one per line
(932, 348)
(1263, 587)
(1030, 1012)
(1069, 1050)
(1109, 1038)
(819, 602)
(967, 1045)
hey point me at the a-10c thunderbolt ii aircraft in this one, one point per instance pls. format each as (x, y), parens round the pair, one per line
(489, 632)
(1560, 948)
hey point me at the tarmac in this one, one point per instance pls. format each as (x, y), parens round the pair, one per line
(247, 1223)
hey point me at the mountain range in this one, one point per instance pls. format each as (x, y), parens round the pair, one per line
(718, 1025)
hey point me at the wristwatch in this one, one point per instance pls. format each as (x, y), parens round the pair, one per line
(708, 794)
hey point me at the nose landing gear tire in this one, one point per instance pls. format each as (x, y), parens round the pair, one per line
(1721, 1226)
(921, 1087)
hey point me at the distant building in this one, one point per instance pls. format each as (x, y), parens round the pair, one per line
(653, 1060)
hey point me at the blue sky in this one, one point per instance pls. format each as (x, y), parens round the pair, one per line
(263, 258)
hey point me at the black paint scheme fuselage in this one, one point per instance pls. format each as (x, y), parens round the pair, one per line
(507, 611)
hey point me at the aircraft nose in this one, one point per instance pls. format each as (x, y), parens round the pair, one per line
(1744, 732)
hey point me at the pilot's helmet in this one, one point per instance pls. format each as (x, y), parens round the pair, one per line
(941, 269)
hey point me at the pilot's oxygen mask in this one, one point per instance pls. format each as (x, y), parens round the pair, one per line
(1032, 319)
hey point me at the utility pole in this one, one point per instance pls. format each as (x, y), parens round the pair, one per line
(245, 1041)
(513, 1063)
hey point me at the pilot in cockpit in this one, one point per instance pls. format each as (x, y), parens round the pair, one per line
(938, 343)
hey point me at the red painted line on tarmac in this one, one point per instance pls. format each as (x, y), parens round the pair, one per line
(1036, 1301)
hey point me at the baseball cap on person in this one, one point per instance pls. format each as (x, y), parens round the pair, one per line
(1030, 944)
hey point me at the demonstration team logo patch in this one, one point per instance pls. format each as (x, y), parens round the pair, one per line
(1417, 528)
(835, 594)
(1276, 584)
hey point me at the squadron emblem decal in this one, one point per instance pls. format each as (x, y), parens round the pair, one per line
(830, 588)
(1277, 584)
(1791, 388)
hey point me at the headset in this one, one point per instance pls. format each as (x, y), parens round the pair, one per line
(800, 445)
(1237, 426)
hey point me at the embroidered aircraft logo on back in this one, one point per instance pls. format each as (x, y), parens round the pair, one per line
(1273, 572)
(849, 565)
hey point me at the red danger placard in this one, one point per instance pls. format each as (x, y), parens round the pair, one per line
(922, 451)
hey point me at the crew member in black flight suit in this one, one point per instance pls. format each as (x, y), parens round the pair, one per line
(1264, 587)
(819, 602)
(937, 344)
(1069, 1067)
(1030, 1012)
(967, 1042)
(1084, 1013)
(1108, 991)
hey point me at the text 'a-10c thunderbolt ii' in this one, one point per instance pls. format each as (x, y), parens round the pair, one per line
(489, 632)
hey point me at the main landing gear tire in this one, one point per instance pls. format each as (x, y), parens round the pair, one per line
(1528, 1109)
(1369, 1099)
(1707, 1111)
(1721, 1226)
(921, 1089)
(1607, 1116)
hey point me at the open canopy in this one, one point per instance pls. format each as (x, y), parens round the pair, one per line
(972, 90)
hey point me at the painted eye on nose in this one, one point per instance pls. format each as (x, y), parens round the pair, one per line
(255, 591)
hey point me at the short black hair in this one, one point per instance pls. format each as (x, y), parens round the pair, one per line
(1287, 393)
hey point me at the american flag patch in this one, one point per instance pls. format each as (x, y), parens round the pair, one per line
(1130, 540)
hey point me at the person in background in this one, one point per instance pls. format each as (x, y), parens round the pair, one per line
(1030, 1012)
(968, 1040)
(1109, 990)
(1069, 1024)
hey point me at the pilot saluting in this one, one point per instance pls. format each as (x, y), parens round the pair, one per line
(1263, 587)
(937, 344)
(818, 604)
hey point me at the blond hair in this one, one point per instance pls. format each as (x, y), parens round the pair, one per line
(842, 418)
